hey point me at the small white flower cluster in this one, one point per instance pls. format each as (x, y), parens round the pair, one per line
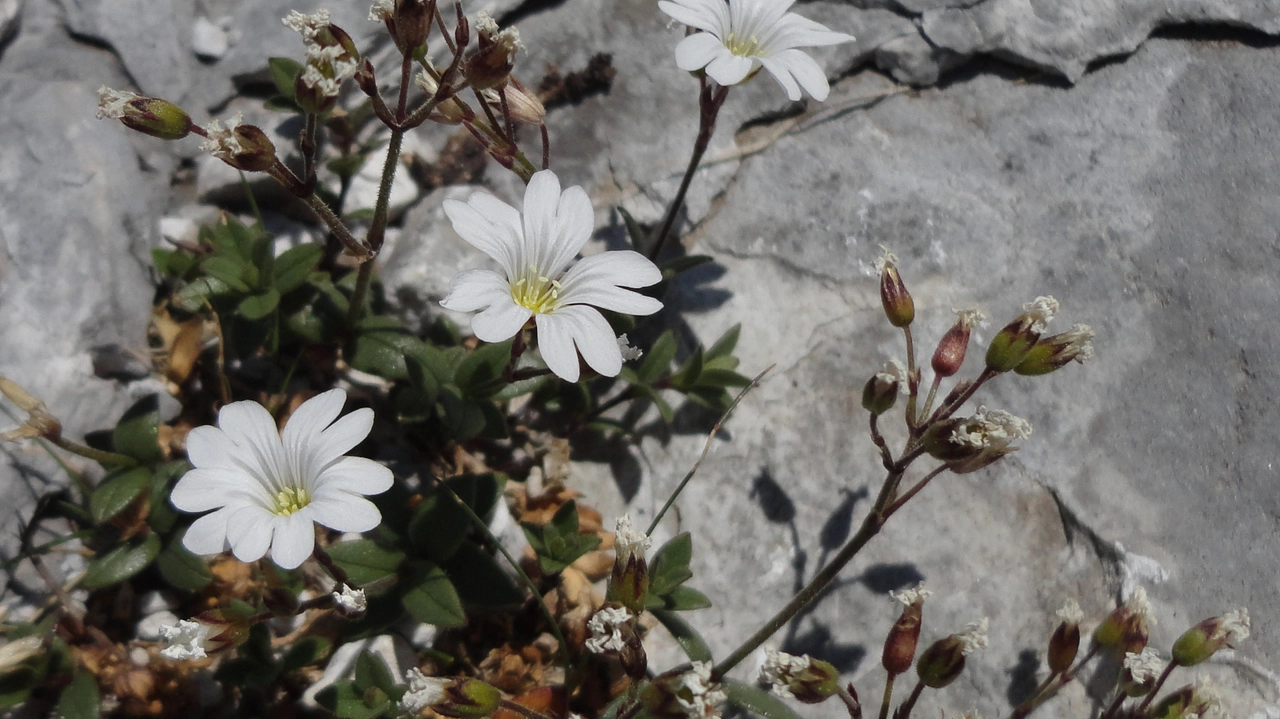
(1144, 666)
(1234, 627)
(308, 26)
(779, 667)
(1040, 312)
(628, 542)
(221, 142)
(350, 599)
(974, 637)
(187, 640)
(994, 428)
(321, 58)
(424, 691)
(885, 259)
(1079, 339)
(1070, 612)
(111, 103)
(907, 597)
(628, 351)
(508, 40)
(382, 10)
(970, 318)
(606, 630)
(1138, 604)
(706, 695)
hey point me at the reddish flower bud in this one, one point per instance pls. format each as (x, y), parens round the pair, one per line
(898, 305)
(949, 355)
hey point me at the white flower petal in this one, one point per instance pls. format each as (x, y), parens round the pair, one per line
(209, 447)
(311, 417)
(493, 239)
(208, 534)
(294, 540)
(709, 15)
(555, 343)
(575, 222)
(608, 297)
(200, 489)
(344, 512)
(796, 31)
(730, 69)
(781, 72)
(541, 198)
(698, 49)
(500, 322)
(258, 448)
(249, 530)
(341, 437)
(807, 72)
(623, 268)
(594, 337)
(355, 475)
(472, 290)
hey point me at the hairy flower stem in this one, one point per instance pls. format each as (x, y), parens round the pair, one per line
(904, 710)
(522, 710)
(850, 702)
(307, 144)
(1114, 706)
(710, 102)
(928, 402)
(1146, 701)
(97, 455)
(888, 696)
(1049, 687)
(913, 384)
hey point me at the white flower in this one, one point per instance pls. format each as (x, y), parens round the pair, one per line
(627, 542)
(111, 103)
(606, 630)
(1234, 627)
(535, 249)
(424, 691)
(350, 599)
(1040, 312)
(628, 352)
(1144, 666)
(991, 428)
(1077, 343)
(970, 318)
(1070, 612)
(974, 637)
(268, 487)
(742, 36)
(705, 695)
(886, 259)
(894, 371)
(779, 668)
(1140, 607)
(308, 26)
(187, 640)
(382, 10)
(223, 143)
(910, 596)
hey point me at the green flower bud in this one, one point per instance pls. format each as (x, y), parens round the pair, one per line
(1128, 626)
(148, 115)
(898, 305)
(679, 696)
(1189, 701)
(1012, 344)
(971, 443)
(629, 582)
(805, 679)
(1053, 353)
(244, 147)
(1206, 638)
(881, 391)
(942, 663)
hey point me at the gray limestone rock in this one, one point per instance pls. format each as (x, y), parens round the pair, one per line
(153, 39)
(913, 60)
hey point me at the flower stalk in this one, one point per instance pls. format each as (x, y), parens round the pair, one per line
(710, 100)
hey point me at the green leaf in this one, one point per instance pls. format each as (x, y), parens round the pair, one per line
(121, 563)
(520, 388)
(364, 561)
(79, 700)
(380, 348)
(694, 646)
(480, 374)
(658, 360)
(343, 700)
(727, 343)
(431, 598)
(137, 434)
(440, 525)
(182, 569)
(670, 566)
(305, 652)
(162, 515)
(256, 307)
(677, 265)
(722, 378)
(428, 369)
(372, 672)
(284, 72)
(174, 263)
(192, 297)
(117, 491)
(462, 418)
(634, 231)
(689, 372)
(558, 544)
(480, 579)
(294, 266)
(681, 599)
(757, 701)
(239, 276)
(15, 687)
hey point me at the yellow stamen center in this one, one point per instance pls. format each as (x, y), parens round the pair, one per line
(536, 293)
(743, 47)
(290, 500)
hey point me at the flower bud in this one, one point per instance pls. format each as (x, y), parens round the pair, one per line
(1204, 639)
(629, 582)
(408, 22)
(805, 679)
(971, 443)
(244, 147)
(1065, 642)
(1012, 344)
(350, 602)
(449, 112)
(522, 103)
(148, 115)
(461, 698)
(941, 663)
(1128, 626)
(207, 633)
(949, 356)
(614, 630)
(495, 54)
(39, 422)
(898, 305)
(881, 391)
(1196, 701)
(1053, 353)
(689, 695)
(900, 644)
(1141, 671)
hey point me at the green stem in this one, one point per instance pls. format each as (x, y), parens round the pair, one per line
(253, 201)
(1049, 688)
(928, 402)
(850, 702)
(523, 710)
(524, 578)
(913, 384)
(888, 696)
(705, 449)
(710, 102)
(904, 711)
(97, 455)
(1146, 701)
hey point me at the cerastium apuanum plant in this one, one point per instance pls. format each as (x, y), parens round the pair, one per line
(264, 351)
